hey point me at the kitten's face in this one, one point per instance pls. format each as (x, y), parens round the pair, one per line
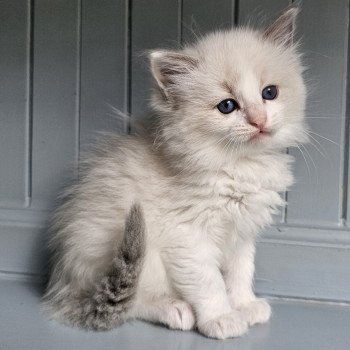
(238, 90)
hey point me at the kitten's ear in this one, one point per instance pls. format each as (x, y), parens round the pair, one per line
(282, 30)
(168, 66)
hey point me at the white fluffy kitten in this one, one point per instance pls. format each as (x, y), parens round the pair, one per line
(162, 225)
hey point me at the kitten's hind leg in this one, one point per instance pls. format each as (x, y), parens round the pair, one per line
(174, 313)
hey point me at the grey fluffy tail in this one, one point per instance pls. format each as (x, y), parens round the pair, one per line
(115, 293)
(112, 297)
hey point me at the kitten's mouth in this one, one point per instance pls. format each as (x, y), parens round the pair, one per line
(261, 134)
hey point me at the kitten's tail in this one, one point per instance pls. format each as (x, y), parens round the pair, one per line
(114, 294)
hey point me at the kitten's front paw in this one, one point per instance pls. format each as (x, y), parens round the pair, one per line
(226, 326)
(257, 311)
(180, 316)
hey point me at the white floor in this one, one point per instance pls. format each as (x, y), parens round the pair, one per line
(295, 325)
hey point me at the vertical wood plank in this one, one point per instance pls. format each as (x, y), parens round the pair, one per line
(346, 180)
(316, 199)
(346, 193)
(14, 103)
(253, 12)
(155, 24)
(198, 19)
(56, 89)
(103, 67)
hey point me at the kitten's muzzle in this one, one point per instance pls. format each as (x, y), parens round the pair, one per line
(256, 117)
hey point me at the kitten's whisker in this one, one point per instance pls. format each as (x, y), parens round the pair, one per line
(223, 154)
(307, 164)
(240, 146)
(326, 115)
(232, 150)
(226, 148)
(222, 139)
(313, 163)
(324, 153)
(328, 118)
(318, 53)
(316, 134)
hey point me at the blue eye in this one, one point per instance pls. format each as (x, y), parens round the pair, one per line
(270, 92)
(227, 106)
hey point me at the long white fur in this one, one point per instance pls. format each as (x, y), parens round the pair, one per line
(207, 188)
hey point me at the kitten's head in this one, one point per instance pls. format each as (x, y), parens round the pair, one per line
(240, 90)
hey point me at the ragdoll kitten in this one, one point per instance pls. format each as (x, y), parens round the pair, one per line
(161, 226)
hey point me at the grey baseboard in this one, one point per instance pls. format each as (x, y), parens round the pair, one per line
(304, 263)
(308, 263)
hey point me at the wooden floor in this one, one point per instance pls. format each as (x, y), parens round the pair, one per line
(295, 325)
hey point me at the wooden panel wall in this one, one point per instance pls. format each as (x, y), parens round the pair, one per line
(15, 117)
(66, 66)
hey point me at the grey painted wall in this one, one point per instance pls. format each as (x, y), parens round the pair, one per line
(65, 64)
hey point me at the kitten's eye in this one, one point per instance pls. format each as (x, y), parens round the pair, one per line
(270, 92)
(227, 106)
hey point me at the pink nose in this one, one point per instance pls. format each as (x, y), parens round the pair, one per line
(258, 124)
(256, 117)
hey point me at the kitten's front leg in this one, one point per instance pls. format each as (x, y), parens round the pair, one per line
(239, 273)
(196, 276)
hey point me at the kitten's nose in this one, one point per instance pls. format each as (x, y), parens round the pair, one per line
(256, 117)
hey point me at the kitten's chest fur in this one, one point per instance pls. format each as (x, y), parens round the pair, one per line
(241, 197)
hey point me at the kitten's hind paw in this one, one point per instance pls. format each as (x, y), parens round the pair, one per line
(257, 311)
(226, 326)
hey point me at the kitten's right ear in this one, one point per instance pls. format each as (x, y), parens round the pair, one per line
(282, 30)
(169, 66)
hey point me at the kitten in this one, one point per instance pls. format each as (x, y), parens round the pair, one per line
(162, 225)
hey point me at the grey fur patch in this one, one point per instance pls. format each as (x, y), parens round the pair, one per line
(113, 296)
(115, 293)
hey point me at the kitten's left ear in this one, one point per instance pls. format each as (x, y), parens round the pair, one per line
(282, 30)
(169, 66)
